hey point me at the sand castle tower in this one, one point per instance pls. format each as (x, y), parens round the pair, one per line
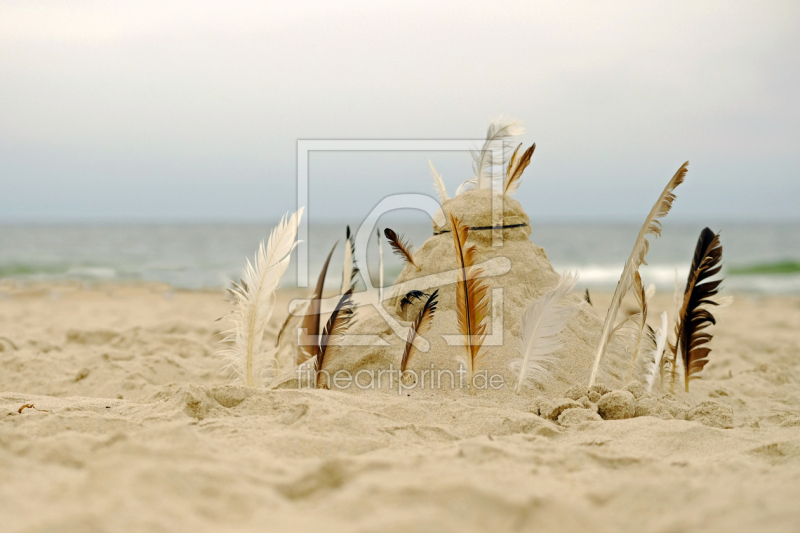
(518, 273)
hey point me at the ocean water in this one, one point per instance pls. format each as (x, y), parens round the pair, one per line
(758, 257)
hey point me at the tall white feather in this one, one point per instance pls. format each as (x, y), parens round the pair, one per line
(541, 324)
(652, 226)
(661, 343)
(347, 267)
(438, 184)
(255, 299)
(500, 130)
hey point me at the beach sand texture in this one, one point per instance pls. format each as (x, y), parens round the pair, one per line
(136, 430)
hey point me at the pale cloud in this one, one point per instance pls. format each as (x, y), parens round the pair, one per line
(157, 108)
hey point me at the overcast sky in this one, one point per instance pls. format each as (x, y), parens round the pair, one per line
(192, 110)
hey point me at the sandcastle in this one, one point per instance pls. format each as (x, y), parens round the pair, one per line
(518, 273)
(504, 318)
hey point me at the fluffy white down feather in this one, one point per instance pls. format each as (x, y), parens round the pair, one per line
(541, 324)
(658, 353)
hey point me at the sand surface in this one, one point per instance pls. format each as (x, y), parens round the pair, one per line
(136, 430)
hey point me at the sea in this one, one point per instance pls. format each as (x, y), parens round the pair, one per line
(759, 258)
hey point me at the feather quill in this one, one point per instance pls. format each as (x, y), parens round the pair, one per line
(401, 248)
(651, 226)
(542, 322)
(334, 329)
(438, 184)
(515, 169)
(641, 299)
(694, 317)
(420, 326)
(472, 303)
(311, 321)
(499, 131)
(349, 268)
(255, 299)
(658, 354)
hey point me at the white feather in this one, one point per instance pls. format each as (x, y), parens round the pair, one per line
(468, 185)
(438, 184)
(500, 130)
(255, 299)
(723, 301)
(677, 302)
(650, 292)
(652, 226)
(541, 324)
(347, 267)
(658, 353)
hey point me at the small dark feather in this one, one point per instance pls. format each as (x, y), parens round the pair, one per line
(588, 298)
(337, 324)
(420, 326)
(355, 270)
(409, 298)
(400, 247)
(311, 321)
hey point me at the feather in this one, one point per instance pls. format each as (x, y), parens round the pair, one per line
(401, 248)
(420, 326)
(515, 169)
(472, 304)
(291, 317)
(335, 328)
(467, 185)
(380, 268)
(588, 298)
(312, 318)
(651, 291)
(286, 345)
(438, 184)
(658, 354)
(724, 301)
(499, 131)
(409, 298)
(349, 269)
(668, 362)
(542, 322)
(255, 299)
(694, 316)
(651, 226)
(641, 298)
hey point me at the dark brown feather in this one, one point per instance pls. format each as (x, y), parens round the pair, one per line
(337, 325)
(400, 247)
(516, 167)
(409, 298)
(421, 325)
(311, 321)
(694, 317)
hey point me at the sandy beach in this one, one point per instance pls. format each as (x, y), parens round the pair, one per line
(134, 429)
